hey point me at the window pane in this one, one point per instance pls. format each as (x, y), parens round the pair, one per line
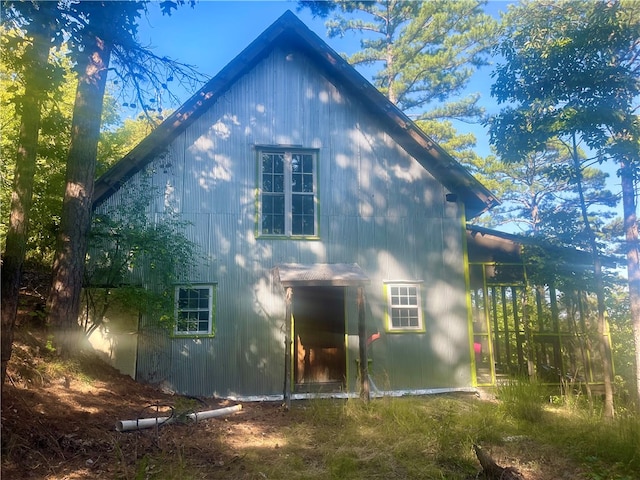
(267, 205)
(267, 163)
(296, 225)
(267, 183)
(296, 163)
(307, 163)
(303, 215)
(308, 207)
(296, 182)
(278, 163)
(277, 225)
(296, 204)
(308, 227)
(278, 183)
(273, 214)
(278, 204)
(307, 183)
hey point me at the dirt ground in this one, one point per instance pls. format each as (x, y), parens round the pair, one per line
(58, 427)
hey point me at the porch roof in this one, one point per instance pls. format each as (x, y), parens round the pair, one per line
(320, 275)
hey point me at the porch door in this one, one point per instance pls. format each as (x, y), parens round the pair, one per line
(319, 347)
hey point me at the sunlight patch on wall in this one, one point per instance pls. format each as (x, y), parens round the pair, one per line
(318, 249)
(390, 268)
(202, 144)
(240, 260)
(342, 160)
(410, 173)
(449, 338)
(169, 199)
(221, 170)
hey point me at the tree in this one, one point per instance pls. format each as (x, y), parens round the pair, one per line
(133, 263)
(92, 30)
(427, 52)
(539, 196)
(570, 72)
(35, 68)
(106, 29)
(92, 65)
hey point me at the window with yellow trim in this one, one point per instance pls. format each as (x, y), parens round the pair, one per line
(404, 307)
(287, 192)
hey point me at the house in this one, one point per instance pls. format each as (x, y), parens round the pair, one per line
(334, 232)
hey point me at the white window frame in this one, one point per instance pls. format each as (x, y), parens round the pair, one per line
(404, 298)
(288, 154)
(195, 309)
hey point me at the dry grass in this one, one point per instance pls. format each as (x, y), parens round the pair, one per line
(52, 429)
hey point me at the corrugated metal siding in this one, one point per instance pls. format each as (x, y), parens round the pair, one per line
(378, 208)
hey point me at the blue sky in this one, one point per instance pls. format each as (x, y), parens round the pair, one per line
(212, 33)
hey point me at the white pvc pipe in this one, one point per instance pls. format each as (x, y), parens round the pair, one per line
(214, 413)
(139, 424)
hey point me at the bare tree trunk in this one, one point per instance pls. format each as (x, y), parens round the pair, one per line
(36, 59)
(64, 297)
(633, 261)
(604, 341)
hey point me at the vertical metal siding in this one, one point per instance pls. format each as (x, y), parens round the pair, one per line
(378, 208)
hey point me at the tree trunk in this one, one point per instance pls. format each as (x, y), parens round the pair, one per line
(604, 341)
(36, 59)
(64, 297)
(633, 261)
(492, 471)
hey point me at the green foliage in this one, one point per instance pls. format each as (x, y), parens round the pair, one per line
(569, 66)
(608, 449)
(425, 53)
(54, 124)
(134, 262)
(116, 140)
(622, 342)
(539, 195)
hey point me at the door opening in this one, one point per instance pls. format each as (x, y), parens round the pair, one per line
(319, 348)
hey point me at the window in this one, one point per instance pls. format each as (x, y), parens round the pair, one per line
(287, 193)
(404, 307)
(194, 310)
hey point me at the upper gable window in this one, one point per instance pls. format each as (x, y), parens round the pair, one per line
(288, 192)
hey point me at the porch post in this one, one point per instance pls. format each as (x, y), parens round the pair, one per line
(286, 395)
(362, 339)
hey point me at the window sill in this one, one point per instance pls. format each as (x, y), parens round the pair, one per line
(288, 237)
(193, 335)
(406, 330)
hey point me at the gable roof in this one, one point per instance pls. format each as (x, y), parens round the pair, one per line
(289, 31)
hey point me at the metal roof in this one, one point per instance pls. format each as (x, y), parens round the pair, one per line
(488, 245)
(288, 31)
(320, 274)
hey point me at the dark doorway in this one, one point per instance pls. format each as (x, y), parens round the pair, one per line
(319, 348)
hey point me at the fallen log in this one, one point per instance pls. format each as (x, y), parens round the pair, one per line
(492, 471)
